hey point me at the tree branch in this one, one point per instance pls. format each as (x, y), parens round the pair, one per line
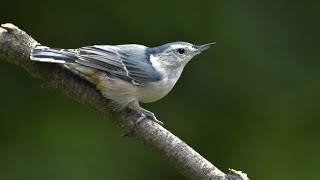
(15, 47)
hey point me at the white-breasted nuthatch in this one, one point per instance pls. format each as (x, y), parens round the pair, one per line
(126, 74)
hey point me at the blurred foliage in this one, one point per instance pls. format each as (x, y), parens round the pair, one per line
(250, 103)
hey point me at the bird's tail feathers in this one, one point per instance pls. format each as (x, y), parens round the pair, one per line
(52, 55)
(66, 57)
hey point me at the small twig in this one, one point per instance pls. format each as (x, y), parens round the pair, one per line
(15, 47)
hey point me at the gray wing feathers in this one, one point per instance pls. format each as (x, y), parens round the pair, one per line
(103, 58)
(121, 61)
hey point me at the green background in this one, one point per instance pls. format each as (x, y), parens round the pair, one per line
(250, 103)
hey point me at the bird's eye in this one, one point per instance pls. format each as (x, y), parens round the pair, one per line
(181, 51)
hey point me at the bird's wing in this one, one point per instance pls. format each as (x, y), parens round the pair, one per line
(128, 64)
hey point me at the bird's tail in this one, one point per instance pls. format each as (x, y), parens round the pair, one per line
(66, 57)
(53, 55)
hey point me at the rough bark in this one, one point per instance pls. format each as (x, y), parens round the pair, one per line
(15, 47)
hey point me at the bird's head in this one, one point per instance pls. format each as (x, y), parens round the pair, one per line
(177, 54)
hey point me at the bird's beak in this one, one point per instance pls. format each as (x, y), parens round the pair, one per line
(203, 47)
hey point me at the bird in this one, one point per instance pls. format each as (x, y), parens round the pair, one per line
(126, 74)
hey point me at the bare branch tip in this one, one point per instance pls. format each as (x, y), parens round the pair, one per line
(10, 28)
(236, 175)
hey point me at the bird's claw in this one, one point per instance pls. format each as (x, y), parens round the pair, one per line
(145, 114)
(141, 118)
(148, 114)
(154, 119)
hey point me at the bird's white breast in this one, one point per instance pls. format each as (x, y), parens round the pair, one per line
(157, 90)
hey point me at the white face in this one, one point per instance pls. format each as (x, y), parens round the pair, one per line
(178, 54)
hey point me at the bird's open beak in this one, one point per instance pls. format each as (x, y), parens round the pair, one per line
(203, 47)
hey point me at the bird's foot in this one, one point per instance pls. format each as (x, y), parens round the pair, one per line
(144, 114)
(148, 114)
